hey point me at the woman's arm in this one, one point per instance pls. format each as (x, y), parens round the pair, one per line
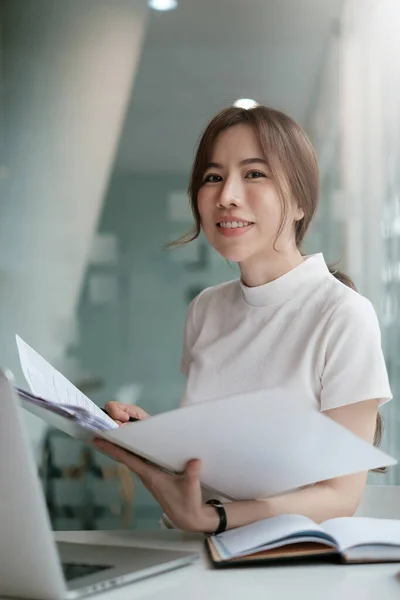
(333, 498)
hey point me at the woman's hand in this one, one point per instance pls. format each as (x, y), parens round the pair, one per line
(121, 412)
(178, 495)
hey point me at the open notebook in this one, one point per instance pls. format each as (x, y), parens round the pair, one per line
(252, 445)
(351, 539)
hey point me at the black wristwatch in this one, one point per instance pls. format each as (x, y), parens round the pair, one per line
(219, 507)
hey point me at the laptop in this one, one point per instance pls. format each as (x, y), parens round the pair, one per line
(32, 564)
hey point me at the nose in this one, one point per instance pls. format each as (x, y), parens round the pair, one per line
(230, 194)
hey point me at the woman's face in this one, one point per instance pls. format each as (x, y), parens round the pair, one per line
(238, 202)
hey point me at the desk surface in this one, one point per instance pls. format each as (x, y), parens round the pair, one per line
(200, 581)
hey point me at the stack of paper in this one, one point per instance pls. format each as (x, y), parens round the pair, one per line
(78, 414)
(52, 391)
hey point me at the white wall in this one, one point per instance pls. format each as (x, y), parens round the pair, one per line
(361, 131)
(69, 69)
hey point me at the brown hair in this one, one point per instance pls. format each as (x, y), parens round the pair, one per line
(292, 164)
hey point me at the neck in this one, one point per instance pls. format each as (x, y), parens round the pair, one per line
(256, 271)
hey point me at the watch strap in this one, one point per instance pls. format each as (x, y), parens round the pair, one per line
(219, 507)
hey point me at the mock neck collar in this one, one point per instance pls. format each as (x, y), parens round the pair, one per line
(313, 268)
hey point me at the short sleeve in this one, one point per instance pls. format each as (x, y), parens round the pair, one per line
(354, 366)
(189, 337)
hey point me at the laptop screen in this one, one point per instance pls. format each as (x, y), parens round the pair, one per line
(75, 570)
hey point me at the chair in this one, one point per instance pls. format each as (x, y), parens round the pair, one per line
(381, 501)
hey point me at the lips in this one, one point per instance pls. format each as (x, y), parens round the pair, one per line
(227, 230)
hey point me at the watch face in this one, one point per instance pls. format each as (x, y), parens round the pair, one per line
(214, 502)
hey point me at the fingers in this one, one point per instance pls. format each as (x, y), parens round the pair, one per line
(121, 412)
(116, 411)
(192, 470)
(110, 449)
(136, 411)
(134, 463)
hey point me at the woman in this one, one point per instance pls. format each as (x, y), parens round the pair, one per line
(287, 322)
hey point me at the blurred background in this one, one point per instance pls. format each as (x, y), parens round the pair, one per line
(101, 105)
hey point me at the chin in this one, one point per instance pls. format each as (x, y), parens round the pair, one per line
(233, 255)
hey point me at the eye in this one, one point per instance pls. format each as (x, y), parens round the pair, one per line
(212, 178)
(254, 175)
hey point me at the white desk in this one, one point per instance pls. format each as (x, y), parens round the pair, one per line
(201, 582)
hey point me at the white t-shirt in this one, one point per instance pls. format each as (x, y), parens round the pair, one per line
(305, 332)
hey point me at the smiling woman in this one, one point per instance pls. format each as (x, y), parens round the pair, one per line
(287, 323)
(238, 187)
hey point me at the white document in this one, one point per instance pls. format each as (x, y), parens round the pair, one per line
(251, 445)
(50, 387)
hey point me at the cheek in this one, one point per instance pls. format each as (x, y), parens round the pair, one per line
(204, 205)
(200, 203)
(266, 205)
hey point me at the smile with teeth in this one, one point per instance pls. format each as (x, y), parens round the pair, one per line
(234, 224)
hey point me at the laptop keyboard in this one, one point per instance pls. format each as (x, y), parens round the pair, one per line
(75, 570)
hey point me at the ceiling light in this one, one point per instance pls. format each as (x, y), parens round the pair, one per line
(245, 103)
(163, 4)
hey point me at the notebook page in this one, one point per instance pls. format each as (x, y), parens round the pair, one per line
(244, 539)
(355, 531)
(48, 383)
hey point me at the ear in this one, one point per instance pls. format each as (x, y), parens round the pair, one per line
(298, 213)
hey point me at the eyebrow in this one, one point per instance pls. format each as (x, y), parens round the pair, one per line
(246, 161)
